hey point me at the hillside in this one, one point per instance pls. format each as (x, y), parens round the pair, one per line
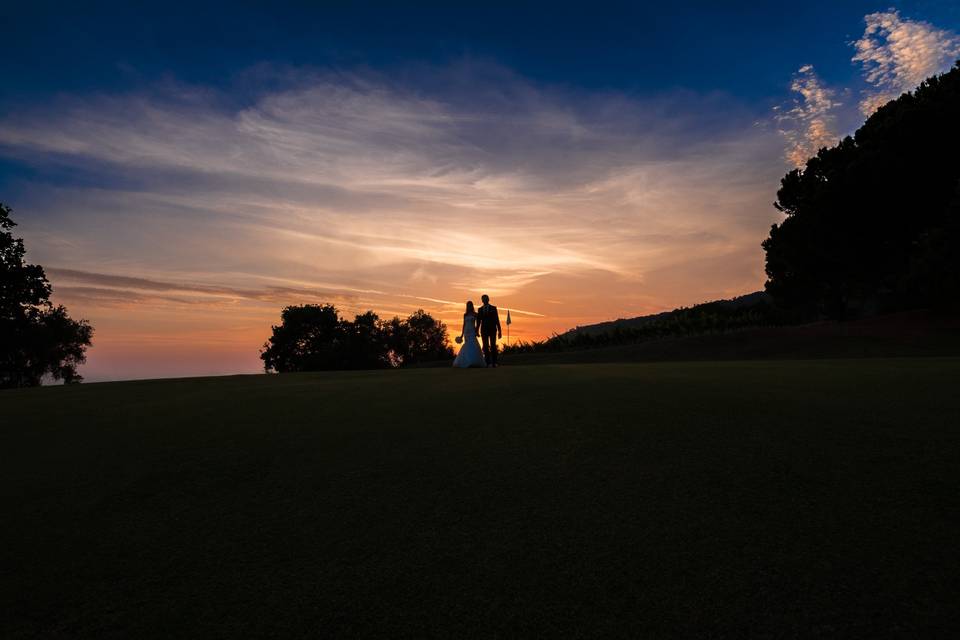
(739, 302)
(905, 334)
(762, 499)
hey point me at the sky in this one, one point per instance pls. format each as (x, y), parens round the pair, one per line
(185, 172)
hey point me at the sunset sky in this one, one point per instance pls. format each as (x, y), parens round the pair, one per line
(183, 174)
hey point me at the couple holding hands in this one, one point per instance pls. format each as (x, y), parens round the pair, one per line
(484, 321)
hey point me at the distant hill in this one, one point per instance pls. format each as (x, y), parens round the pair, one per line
(905, 334)
(720, 316)
(740, 302)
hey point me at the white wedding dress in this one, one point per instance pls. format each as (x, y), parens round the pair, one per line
(470, 353)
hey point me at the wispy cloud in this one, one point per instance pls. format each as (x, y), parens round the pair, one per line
(895, 54)
(808, 123)
(109, 288)
(355, 189)
(898, 53)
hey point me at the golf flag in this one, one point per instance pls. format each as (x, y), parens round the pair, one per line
(509, 321)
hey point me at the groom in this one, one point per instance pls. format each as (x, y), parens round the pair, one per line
(488, 324)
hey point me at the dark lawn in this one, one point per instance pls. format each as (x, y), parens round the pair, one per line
(779, 499)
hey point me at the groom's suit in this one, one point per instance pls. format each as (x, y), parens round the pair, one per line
(488, 324)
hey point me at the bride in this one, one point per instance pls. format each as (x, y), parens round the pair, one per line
(470, 354)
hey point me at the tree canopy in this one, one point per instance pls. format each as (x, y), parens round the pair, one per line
(316, 338)
(872, 223)
(36, 337)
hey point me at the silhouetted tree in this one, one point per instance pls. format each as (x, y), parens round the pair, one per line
(933, 277)
(419, 338)
(309, 338)
(316, 338)
(369, 346)
(870, 224)
(36, 337)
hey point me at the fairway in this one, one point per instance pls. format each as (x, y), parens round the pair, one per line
(719, 499)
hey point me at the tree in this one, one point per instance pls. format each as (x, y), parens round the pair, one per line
(419, 338)
(369, 348)
(426, 339)
(36, 337)
(309, 338)
(933, 278)
(864, 215)
(316, 338)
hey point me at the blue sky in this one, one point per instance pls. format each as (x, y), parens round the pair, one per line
(185, 171)
(745, 48)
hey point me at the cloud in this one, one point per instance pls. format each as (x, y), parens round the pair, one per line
(358, 190)
(898, 53)
(809, 122)
(121, 289)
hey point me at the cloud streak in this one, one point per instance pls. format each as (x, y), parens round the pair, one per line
(361, 191)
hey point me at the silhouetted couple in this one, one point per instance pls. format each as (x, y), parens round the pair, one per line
(484, 321)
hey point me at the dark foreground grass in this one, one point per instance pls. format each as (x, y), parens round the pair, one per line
(770, 499)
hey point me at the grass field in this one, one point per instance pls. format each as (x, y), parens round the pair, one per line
(724, 499)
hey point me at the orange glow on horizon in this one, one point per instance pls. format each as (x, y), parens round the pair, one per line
(196, 336)
(208, 217)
